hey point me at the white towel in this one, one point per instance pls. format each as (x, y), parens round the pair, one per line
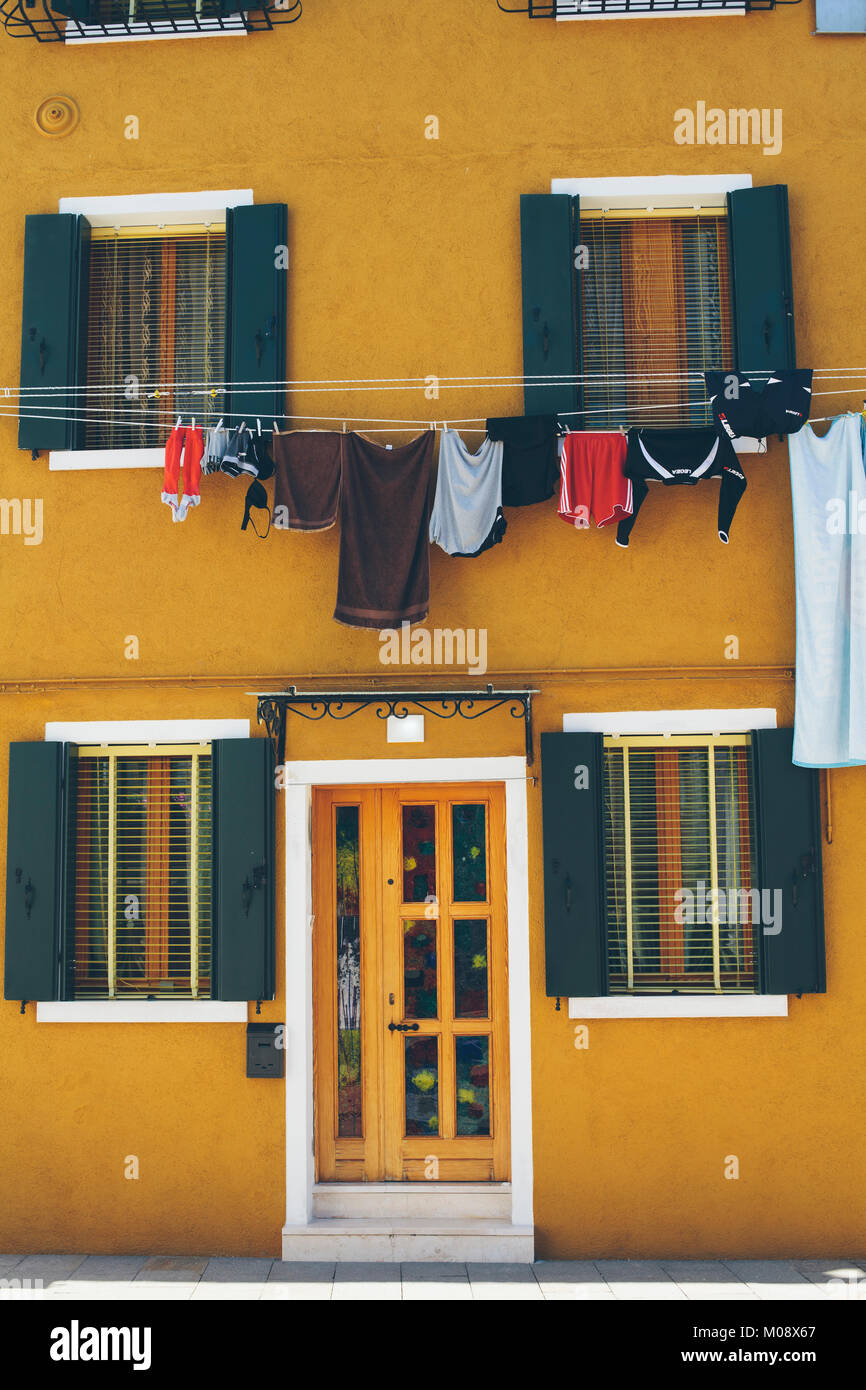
(828, 485)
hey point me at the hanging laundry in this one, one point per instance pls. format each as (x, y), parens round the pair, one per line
(828, 488)
(236, 459)
(741, 407)
(530, 461)
(184, 447)
(308, 466)
(677, 457)
(259, 455)
(593, 479)
(384, 519)
(215, 446)
(467, 511)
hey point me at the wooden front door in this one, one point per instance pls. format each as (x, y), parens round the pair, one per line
(410, 984)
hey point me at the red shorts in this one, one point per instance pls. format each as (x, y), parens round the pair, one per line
(593, 481)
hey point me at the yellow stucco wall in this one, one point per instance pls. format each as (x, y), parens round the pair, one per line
(405, 262)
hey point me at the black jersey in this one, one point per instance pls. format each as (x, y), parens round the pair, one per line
(677, 457)
(742, 407)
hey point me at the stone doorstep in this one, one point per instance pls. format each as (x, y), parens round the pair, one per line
(407, 1240)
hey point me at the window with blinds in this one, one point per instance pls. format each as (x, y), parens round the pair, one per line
(655, 313)
(141, 897)
(156, 317)
(132, 11)
(681, 912)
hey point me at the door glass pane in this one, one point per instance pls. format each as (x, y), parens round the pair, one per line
(422, 1086)
(470, 854)
(419, 853)
(470, 968)
(419, 969)
(348, 972)
(472, 1063)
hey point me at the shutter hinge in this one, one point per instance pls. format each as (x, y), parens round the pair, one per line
(557, 1003)
(23, 1008)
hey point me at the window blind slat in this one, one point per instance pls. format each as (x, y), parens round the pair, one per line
(655, 314)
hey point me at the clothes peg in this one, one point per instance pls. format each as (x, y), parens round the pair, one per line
(193, 423)
(259, 426)
(344, 427)
(276, 427)
(179, 418)
(219, 424)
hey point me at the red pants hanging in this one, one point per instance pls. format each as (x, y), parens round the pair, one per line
(186, 445)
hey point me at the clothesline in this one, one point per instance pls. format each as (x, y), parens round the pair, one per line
(157, 416)
(499, 380)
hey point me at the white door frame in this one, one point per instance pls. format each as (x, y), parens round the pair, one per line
(300, 778)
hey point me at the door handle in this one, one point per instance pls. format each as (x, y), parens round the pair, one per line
(403, 1027)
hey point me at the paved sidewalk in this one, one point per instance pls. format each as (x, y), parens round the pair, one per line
(71, 1277)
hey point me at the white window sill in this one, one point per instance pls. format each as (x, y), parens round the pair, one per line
(232, 27)
(587, 12)
(680, 1006)
(141, 1011)
(66, 460)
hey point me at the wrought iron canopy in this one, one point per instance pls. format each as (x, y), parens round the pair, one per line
(118, 18)
(274, 706)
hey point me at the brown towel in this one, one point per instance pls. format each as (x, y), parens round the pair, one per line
(384, 544)
(307, 465)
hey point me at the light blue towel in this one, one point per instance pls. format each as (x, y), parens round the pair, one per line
(828, 486)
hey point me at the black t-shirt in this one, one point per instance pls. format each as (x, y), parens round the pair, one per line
(530, 462)
(743, 407)
(677, 457)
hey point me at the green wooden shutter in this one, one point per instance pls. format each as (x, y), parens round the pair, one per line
(243, 869)
(37, 959)
(788, 855)
(575, 929)
(761, 279)
(53, 331)
(549, 233)
(256, 281)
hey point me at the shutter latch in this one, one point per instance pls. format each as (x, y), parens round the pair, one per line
(29, 895)
(260, 878)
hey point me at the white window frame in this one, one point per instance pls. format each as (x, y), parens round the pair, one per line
(151, 731)
(146, 210)
(666, 722)
(660, 191)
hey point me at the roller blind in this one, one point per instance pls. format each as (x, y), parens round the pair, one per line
(156, 315)
(654, 301)
(141, 833)
(681, 912)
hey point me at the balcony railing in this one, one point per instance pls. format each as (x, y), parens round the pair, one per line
(116, 19)
(587, 9)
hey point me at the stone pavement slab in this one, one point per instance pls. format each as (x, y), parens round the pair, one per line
(638, 1279)
(66, 1278)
